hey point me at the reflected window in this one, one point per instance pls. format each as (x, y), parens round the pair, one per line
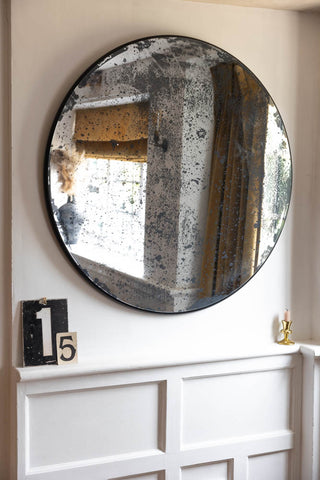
(111, 198)
(100, 186)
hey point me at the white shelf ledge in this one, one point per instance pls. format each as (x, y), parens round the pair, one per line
(310, 348)
(43, 372)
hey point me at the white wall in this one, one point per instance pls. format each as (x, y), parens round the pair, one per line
(52, 43)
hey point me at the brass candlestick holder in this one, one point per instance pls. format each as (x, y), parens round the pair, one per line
(286, 330)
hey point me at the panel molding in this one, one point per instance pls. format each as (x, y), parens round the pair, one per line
(171, 455)
(310, 463)
(211, 416)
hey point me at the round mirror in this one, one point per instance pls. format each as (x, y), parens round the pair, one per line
(168, 174)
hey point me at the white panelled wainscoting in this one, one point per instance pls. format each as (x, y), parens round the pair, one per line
(227, 419)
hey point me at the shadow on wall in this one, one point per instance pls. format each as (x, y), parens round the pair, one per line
(306, 220)
(5, 249)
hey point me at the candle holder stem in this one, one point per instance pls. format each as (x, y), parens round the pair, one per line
(286, 330)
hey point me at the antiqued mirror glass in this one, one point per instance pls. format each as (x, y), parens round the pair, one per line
(168, 174)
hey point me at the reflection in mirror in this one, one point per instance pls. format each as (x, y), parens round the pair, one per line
(169, 174)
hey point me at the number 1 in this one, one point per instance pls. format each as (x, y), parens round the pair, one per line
(45, 316)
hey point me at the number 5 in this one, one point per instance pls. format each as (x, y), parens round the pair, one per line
(67, 347)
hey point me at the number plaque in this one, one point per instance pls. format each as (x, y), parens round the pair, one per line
(67, 351)
(42, 320)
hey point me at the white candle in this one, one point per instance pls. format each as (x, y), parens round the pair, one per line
(287, 315)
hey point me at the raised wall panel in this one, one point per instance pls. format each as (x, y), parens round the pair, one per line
(220, 407)
(76, 425)
(223, 420)
(146, 476)
(270, 466)
(210, 471)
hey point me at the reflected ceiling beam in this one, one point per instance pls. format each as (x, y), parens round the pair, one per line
(297, 5)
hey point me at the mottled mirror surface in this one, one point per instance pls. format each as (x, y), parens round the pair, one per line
(168, 174)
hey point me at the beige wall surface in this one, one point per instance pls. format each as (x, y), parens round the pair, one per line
(53, 41)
